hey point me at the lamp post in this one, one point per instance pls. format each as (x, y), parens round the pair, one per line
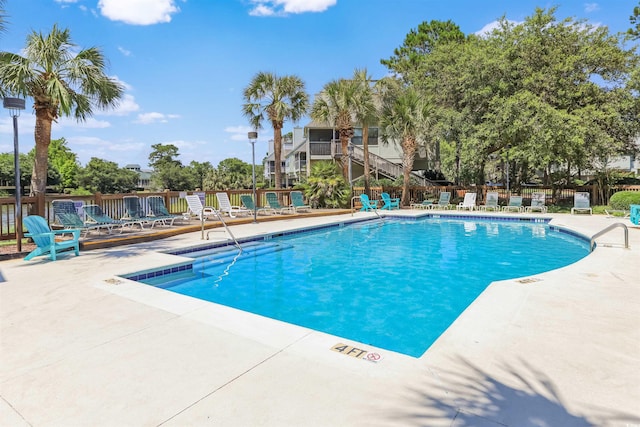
(15, 105)
(252, 139)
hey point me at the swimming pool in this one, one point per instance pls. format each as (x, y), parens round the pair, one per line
(395, 284)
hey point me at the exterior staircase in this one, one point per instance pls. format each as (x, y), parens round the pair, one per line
(384, 167)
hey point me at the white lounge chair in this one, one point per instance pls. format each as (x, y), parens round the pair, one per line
(537, 203)
(469, 202)
(197, 209)
(491, 202)
(581, 203)
(224, 206)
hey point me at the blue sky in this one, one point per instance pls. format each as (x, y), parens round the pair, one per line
(185, 63)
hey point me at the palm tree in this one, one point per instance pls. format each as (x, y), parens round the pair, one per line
(336, 105)
(404, 116)
(61, 83)
(279, 99)
(2, 16)
(366, 115)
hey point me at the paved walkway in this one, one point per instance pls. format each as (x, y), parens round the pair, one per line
(80, 347)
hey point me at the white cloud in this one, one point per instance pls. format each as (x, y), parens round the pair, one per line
(284, 7)
(154, 117)
(487, 29)
(126, 105)
(138, 12)
(89, 123)
(124, 51)
(66, 1)
(238, 133)
(591, 7)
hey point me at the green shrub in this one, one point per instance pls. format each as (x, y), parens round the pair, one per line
(622, 199)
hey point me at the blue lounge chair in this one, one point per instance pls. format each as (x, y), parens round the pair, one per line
(247, 202)
(443, 201)
(368, 205)
(491, 202)
(389, 203)
(297, 202)
(581, 203)
(95, 214)
(133, 212)
(634, 214)
(423, 205)
(515, 204)
(66, 215)
(159, 210)
(45, 238)
(273, 203)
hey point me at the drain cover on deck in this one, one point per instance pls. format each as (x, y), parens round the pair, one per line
(529, 280)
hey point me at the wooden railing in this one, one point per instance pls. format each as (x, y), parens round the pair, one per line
(113, 204)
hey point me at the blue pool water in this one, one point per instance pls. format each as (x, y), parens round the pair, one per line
(395, 284)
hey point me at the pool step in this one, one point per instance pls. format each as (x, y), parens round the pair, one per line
(229, 254)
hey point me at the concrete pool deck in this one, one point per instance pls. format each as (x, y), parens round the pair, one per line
(79, 347)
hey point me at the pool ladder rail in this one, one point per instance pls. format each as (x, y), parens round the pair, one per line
(592, 243)
(224, 224)
(353, 208)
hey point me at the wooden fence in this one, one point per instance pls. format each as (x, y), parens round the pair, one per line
(113, 205)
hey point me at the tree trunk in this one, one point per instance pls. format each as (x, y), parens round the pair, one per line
(365, 148)
(40, 162)
(408, 155)
(277, 152)
(344, 143)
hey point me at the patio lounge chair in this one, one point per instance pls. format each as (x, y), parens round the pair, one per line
(581, 203)
(515, 205)
(469, 202)
(297, 202)
(537, 203)
(423, 205)
(273, 203)
(66, 215)
(133, 212)
(95, 215)
(443, 201)
(224, 206)
(197, 209)
(45, 238)
(491, 202)
(368, 205)
(389, 203)
(248, 203)
(159, 210)
(634, 214)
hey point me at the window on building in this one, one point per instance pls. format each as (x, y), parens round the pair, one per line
(320, 135)
(357, 136)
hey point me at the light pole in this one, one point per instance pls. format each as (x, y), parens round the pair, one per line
(252, 139)
(15, 105)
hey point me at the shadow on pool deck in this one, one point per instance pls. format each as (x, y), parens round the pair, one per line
(522, 393)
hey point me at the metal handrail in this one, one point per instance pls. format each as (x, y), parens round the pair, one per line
(224, 224)
(606, 230)
(353, 199)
